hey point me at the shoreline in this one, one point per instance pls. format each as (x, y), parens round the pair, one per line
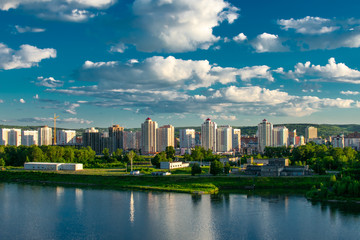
(173, 183)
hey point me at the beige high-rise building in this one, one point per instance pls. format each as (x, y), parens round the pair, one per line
(236, 139)
(116, 138)
(4, 136)
(224, 139)
(310, 133)
(165, 137)
(187, 138)
(30, 138)
(280, 136)
(14, 137)
(148, 136)
(208, 135)
(45, 136)
(66, 137)
(265, 131)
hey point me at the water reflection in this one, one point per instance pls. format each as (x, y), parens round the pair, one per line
(132, 208)
(103, 214)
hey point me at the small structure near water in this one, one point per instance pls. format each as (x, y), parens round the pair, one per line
(53, 166)
(275, 168)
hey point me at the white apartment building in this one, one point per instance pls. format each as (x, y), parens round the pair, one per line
(148, 136)
(280, 136)
(165, 137)
(45, 136)
(10, 137)
(224, 139)
(66, 137)
(30, 138)
(208, 135)
(265, 131)
(236, 139)
(187, 138)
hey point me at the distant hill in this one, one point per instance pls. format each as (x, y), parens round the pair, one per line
(324, 130)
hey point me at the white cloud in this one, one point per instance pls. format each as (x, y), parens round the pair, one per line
(331, 72)
(350, 92)
(36, 96)
(26, 29)
(71, 108)
(266, 42)
(67, 10)
(178, 26)
(28, 56)
(22, 100)
(59, 120)
(159, 72)
(49, 82)
(120, 48)
(240, 38)
(309, 25)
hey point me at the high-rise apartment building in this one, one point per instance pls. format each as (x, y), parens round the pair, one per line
(224, 139)
(208, 135)
(265, 131)
(4, 136)
(91, 138)
(310, 133)
(292, 137)
(45, 136)
(29, 138)
(14, 137)
(165, 137)
(116, 138)
(187, 138)
(130, 140)
(148, 136)
(280, 136)
(236, 139)
(65, 137)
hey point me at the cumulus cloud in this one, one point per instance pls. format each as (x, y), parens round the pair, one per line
(22, 100)
(331, 72)
(309, 25)
(177, 26)
(350, 92)
(240, 38)
(266, 42)
(321, 33)
(67, 10)
(159, 72)
(26, 29)
(27, 56)
(49, 82)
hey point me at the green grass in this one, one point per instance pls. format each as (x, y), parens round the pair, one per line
(117, 178)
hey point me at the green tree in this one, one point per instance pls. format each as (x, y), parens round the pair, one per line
(227, 168)
(216, 167)
(195, 169)
(106, 154)
(160, 157)
(170, 152)
(118, 154)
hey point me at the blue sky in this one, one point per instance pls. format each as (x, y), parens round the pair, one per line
(103, 62)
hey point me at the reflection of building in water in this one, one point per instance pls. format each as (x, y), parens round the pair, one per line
(59, 193)
(132, 208)
(79, 199)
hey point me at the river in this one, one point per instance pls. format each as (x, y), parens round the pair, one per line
(50, 212)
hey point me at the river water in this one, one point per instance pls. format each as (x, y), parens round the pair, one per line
(48, 212)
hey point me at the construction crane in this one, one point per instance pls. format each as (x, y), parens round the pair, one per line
(55, 117)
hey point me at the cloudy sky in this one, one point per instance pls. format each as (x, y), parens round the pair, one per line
(103, 62)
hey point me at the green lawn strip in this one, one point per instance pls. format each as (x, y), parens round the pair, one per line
(179, 183)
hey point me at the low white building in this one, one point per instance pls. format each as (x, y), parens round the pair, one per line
(53, 166)
(172, 165)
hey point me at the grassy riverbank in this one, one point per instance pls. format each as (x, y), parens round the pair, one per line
(176, 183)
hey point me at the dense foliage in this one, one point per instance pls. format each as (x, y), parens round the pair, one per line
(195, 169)
(216, 168)
(200, 154)
(17, 156)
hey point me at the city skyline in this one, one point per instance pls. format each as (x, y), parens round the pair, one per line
(99, 63)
